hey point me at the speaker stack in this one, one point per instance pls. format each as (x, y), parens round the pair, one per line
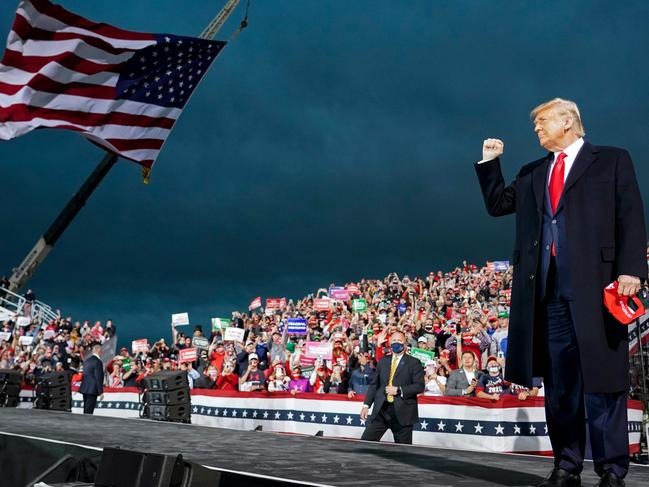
(9, 388)
(166, 397)
(53, 392)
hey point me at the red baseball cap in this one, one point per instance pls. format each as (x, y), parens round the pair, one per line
(625, 309)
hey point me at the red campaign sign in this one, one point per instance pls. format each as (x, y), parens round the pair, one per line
(275, 303)
(256, 303)
(187, 355)
(322, 304)
(353, 289)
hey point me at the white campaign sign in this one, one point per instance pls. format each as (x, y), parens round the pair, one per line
(26, 341)
(5, 335)
(180, 319)
(23, 321)
(234, 334)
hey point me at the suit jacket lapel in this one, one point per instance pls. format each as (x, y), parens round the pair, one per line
(585, 157)
(539, 178)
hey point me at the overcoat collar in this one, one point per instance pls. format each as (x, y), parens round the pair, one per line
(585, 158)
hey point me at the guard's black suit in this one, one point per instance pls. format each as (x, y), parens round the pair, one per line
(400, 415)
(92, 384)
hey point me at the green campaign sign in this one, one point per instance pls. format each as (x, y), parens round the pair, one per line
(220, 323)
(422, 355)
(359, 305)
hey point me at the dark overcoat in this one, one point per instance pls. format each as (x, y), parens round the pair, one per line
(605, 230)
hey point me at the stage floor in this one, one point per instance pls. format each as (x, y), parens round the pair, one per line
(301, 459)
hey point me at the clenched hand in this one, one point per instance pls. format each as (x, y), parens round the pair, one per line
(492, 148)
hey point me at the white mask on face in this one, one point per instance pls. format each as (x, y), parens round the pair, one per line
(494, 370)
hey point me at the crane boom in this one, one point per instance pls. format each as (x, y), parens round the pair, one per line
(217, 22)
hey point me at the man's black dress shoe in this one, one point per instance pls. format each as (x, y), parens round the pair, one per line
(560, 478)
(610, 479)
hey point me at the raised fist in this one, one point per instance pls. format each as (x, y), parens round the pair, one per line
(492, 148)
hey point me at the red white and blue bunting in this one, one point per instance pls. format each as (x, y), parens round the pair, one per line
(508, 425)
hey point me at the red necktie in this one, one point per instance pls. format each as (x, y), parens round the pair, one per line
(556, 186)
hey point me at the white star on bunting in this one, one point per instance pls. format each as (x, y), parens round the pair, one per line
(424, 425)
(441, 425)
(478, 428)
(458, 427)
(517, 430)
(500, 429)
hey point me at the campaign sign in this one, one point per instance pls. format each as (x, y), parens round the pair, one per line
(422, 355)
(322, 304)
(316, 350)
(47, 334)
(180, 319)
(23, 321)
(234, 334)
(296, 326)
(402, 308)
(141, 345)
(339, 293)
(499, 266)
(275, 303)
(200, 342)
(220, 323)
(187, 355)
(5, 335)
(25, 340)
(359, 305)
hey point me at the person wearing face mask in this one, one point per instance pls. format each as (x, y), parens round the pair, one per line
(492, 385)
(298, 383)
(393, 394)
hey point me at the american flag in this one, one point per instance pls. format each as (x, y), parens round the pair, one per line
(123, 90)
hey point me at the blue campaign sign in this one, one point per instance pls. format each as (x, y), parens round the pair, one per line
(402, 308)
(296, 326)
(501, 265)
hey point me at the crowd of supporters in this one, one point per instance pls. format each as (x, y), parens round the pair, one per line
(460, 316)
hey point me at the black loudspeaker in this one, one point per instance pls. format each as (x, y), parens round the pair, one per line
(166, 397)
(179, 413)
(179, 396)
(123, 468)
(53, 392)
(166, 380)
(10, 376)
(10, 388)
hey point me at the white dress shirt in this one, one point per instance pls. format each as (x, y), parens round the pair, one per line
(571, 154)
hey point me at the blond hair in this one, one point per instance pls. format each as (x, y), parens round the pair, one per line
(563, 108)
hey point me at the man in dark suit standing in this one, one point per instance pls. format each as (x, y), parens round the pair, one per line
(393, 392)
(92, 383)
(579, 226)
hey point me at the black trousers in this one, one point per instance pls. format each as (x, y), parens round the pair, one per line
(568, 409)
(385, 420)
(89, 403)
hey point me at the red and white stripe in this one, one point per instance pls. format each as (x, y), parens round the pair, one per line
(256, 303)
(60, 70)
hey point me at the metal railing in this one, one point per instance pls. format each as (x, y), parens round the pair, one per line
(15, 304)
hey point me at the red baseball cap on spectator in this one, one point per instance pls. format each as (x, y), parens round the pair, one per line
(625, 309)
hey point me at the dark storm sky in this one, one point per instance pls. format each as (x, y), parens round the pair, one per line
(331, 141)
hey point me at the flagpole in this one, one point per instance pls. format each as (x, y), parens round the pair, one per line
(21, 274)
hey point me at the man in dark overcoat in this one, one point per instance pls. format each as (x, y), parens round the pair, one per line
(579, 226)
